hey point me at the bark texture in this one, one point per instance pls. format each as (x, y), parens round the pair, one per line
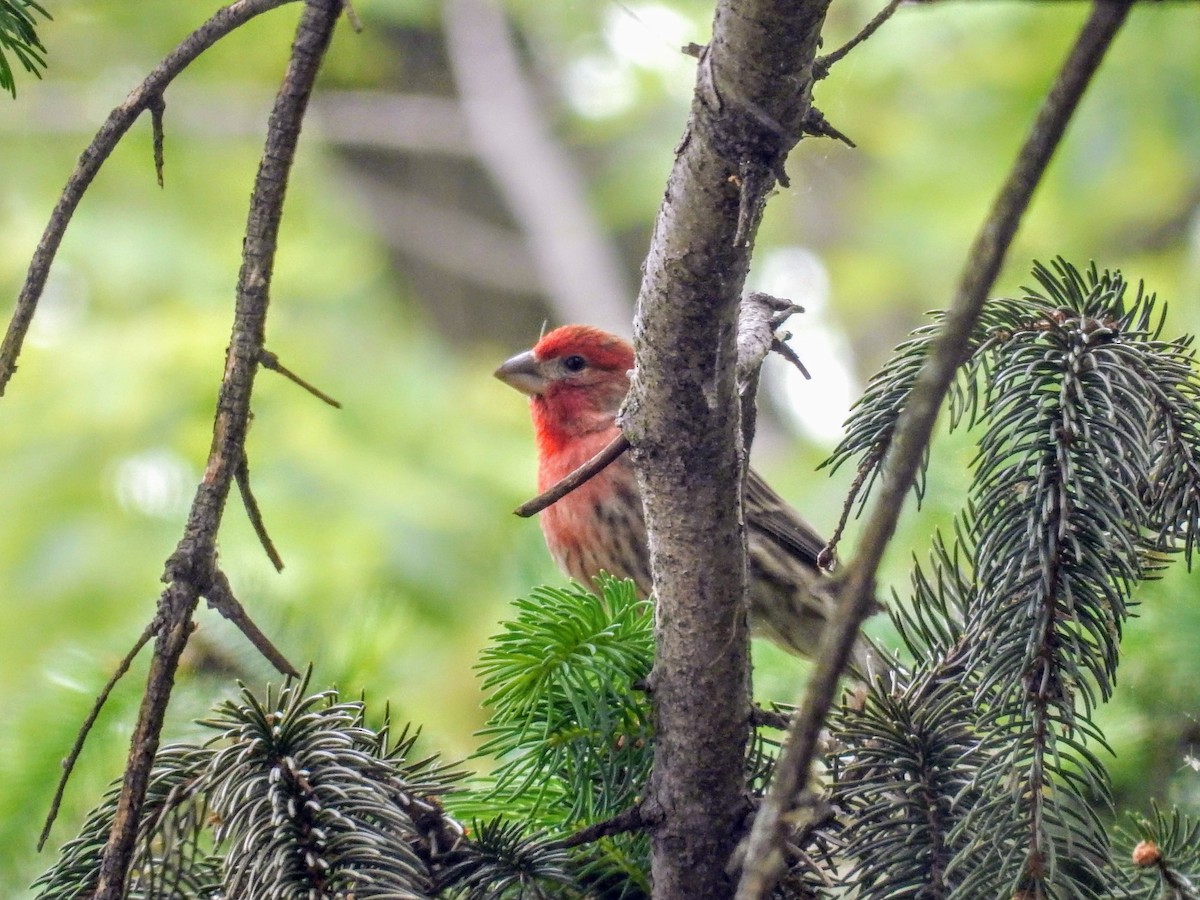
(753, 94)
(192, 568)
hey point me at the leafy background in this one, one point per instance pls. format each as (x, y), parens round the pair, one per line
(393, 514)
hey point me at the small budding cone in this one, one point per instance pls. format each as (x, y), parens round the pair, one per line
(1146, 854)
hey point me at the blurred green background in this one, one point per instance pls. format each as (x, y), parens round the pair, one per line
(463, 178)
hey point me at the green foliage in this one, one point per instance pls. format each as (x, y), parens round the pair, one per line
(1165, 853)
(571, 733)
(297, 795)
(1085, 479)
(19, 37)
(973, 772)
(294, 795)
(562, 680)
(509, 862)
(570, 727)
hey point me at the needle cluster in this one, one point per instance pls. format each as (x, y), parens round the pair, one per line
(978, 771)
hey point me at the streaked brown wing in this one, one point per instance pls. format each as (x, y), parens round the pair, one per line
(771, 514)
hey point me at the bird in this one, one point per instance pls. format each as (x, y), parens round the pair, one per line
(576, 377)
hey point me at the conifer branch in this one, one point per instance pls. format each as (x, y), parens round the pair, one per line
(856, 587)
(190, 569)
(18, 35)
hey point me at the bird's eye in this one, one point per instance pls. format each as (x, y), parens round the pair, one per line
(574, 363)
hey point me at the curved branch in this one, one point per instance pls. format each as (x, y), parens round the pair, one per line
(630, 819)
(856, 586)
(191, 570)
(147, 95)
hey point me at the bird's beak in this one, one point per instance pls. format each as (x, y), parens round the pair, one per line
(524, 373)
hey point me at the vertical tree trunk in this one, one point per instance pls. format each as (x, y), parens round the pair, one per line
(753, 91)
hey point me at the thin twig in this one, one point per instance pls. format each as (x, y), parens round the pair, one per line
(761, 717)
(817, 125)
(192, 567)
(119, 121)
(270, 361)
(829, 552)
(68, 764)
(823, 63)
(352, 16)
(784, 349)
(913, 429)
(631, 819)
(254, 513)
(583, 474)
(157, 107)
(219, 595)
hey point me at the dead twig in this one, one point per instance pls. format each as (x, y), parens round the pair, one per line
(855, 589)
(192, 569)
(823, 63)
(219, 595)
(270, 361)
(761, 717)
(632, 819)
(784, 349)
(254, 513)
(68, 764)
(583, 474)
(817, 125)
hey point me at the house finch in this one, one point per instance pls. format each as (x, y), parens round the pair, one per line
(576, 378)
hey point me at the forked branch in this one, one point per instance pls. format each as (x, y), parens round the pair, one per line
(191, 571)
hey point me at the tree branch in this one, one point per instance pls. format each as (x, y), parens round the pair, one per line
(219, 594)
(823, 64)
(753, 92)
(631, 819)
(254, 513)
(580, 476)
(68, 764)
(855, 588)
(147, 95)
(192, 568)
(270, 361)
